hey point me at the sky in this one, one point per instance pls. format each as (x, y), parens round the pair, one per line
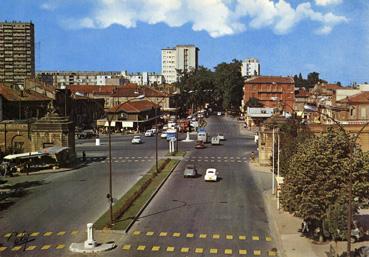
(287, 36)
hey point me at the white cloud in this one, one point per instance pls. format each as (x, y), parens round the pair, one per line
(327, 2)
(217, 17)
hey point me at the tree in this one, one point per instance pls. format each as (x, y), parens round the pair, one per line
(318, 175)
(229, 84)
(254, 102)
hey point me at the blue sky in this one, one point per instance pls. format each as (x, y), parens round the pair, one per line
(287, 36)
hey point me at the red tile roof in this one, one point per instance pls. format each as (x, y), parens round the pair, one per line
(90, 89)
(28, 95)
(302, 93)
(270, 80)
(133, 90)
(133, 106)
(362, 97)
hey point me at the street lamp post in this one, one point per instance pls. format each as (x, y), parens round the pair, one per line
(110, 195)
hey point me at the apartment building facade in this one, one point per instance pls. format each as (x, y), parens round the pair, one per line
(181, 57)
(250, 67)
(17, 52)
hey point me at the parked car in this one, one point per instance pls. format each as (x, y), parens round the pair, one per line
(215, 141)
(136, 140)
(221, 137)
(200, 145)
(190, 171)
(149, 133)
(211, 175)
(85, 134)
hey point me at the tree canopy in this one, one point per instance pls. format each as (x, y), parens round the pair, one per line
(318, 176)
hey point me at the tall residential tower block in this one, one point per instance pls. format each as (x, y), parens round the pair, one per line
(17, 52)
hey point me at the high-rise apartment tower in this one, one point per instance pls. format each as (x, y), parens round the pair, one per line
(182, 58)
(17, 52)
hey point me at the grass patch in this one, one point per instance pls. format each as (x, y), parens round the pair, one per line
(130, 203)
(179, 153)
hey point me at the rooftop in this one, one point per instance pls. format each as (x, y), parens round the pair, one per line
(11, 94)
(270, 80)
(133, 107)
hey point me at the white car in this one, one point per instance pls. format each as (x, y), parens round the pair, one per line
(219, 113)
(136, 140)
(221, 137)
(149, 133)
(211, 175)
(164, 135)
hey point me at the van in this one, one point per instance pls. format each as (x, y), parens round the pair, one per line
(202, 136)
(215, 141)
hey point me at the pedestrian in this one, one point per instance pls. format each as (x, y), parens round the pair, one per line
(84, 156)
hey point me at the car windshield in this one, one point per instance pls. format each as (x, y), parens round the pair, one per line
(136, 137)
(190, 167)
(210, 172)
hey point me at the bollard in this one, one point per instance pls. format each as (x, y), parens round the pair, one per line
(90, 242)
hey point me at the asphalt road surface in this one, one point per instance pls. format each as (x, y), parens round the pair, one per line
(191, 217)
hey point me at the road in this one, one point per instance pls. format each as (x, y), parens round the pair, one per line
(198, 218)
(59, 206)
(188, 216)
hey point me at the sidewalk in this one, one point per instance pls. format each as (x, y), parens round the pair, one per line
(285, 228)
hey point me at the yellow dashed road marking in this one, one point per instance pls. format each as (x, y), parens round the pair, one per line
(150, 233)
(7, 235)
(31, 248)
(74, 232)
(45, 247)
(242, 252)
(3, 248)
(155, 248)
(61, 246)
(203, 235)
(257, 252)
(163, 234)
(228, 251)
(61, 233)
(199, 250)
(242, 237)
(16, 248)
(35, 233)
(170, 249)
(136, 232)
(48, 233)
(176, 234)
(268, 238)
(255, 238)
(185, 250)
(126, 247)
(272, 253)
(216, 236)
(141, 248)
(190, 235)
(21, 234)
(213, 250)
(229, 237)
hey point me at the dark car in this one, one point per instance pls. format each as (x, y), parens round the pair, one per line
(200, 145)
(190, 171)
(85, 134)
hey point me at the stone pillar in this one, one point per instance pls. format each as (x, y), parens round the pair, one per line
(90, 242)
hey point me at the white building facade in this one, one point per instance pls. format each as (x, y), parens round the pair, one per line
(182, 57)
(250, 67)
(144, 78)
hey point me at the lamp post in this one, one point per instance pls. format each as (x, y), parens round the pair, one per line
(109, 117)
(351, 146)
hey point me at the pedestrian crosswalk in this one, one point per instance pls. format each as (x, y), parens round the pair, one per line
(130, 159)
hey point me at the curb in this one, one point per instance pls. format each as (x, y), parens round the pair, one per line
(151, 197)
(272, 222)
(51, 171)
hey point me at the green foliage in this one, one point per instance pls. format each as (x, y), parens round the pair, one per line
(254, 102)
(310, 82)
(318, 175)
(335, 222)
(229, 84)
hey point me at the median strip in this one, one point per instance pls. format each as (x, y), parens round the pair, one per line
(129, 206)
